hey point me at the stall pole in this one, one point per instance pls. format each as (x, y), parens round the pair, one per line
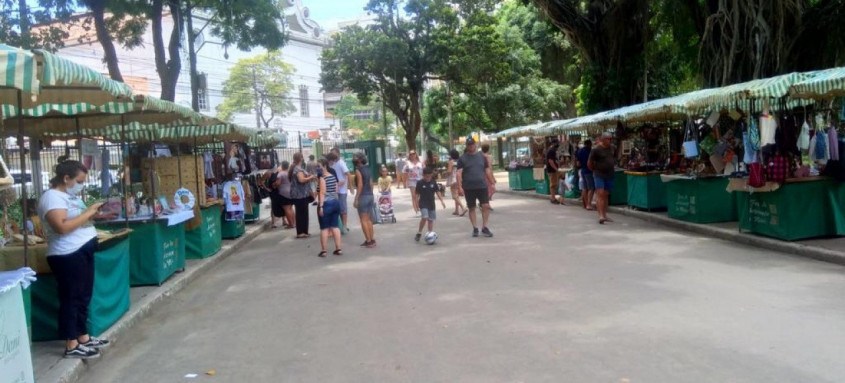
(127, 178)
(78, 140)
(24, 199)
(152, 176)
(197, 166)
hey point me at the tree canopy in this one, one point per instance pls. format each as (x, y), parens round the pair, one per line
(260, 85)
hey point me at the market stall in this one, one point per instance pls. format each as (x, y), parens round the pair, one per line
(797, 209)
(16, 363)
(109, 301)
(699, 200)
(645, 190)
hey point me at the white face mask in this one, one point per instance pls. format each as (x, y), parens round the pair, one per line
(75, 190)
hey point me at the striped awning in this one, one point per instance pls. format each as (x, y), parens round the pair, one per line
(823, 84)
(57, 71)
(17, 69)
(44, 110)
(176, 132)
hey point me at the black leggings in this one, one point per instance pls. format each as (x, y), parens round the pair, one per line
(302, 212)
(75, 282)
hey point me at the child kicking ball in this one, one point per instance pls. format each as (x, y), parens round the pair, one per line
(426, 190)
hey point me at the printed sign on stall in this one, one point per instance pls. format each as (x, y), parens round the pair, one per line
(15, 356)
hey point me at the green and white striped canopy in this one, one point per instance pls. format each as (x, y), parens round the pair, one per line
(823, 84)
(17, 69)
(177, 132)
(44, 110)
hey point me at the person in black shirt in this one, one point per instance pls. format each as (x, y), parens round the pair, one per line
(551, 169)
(427, 188)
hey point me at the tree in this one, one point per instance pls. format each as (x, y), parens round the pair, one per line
(17, 18)
(496, 78)
(611, 36)
(243, 23)
(259, 84)
(392, 59)
(744, 39)
(367, 119)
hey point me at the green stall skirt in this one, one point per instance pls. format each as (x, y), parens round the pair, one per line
(108, 303)
(796, 211)
(207, 238)
(619, 194)
(156, 251)
(232, 229)
(27, 307)
(646, 191)
(702, 200)
(256, 213)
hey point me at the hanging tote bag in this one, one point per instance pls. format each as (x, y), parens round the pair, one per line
(756, 176)
(690, 145)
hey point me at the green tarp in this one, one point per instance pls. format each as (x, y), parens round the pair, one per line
(256, 213)
(646, 191)
(702, 200)
(521, 179)
(795, 211)
(27, 306)
(109, 301)
(156, 251)
(619, 194)
(232, 229)
(207, 238)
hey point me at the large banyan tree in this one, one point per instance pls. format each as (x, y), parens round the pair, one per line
(738, 40)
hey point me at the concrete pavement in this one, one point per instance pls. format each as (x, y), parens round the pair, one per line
(553, 297)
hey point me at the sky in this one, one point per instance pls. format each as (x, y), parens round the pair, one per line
(328, 13)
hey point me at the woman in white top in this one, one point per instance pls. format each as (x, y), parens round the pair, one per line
(71, 243)
(413, 170)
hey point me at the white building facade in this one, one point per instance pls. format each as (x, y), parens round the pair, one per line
(214, 61)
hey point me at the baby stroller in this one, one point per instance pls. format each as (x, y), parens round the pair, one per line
(385, 207)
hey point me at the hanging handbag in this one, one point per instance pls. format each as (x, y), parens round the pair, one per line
(756, 177)
(690, 145)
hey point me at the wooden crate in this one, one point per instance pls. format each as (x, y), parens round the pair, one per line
(167, 169)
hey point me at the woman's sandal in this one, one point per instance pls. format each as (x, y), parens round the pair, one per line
(322, 254)
(463, 213)
(338, 252)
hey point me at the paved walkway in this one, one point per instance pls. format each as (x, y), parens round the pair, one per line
(553, 297)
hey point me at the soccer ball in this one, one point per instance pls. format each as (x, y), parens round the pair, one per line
(430, 238)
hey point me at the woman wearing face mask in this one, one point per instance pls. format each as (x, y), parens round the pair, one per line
(72, 241)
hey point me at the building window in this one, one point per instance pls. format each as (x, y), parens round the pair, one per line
(202, 91)
(303, 101)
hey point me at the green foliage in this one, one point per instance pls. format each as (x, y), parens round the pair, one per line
(51, 37)
(364, 120)
(258, 84)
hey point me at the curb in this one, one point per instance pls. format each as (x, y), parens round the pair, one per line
(814, 252)
(71, 370)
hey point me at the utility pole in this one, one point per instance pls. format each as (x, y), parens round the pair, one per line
(449, 113)
(192, 56)
(257, 101)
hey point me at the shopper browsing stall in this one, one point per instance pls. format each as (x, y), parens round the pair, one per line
(72, 241)
(300, 192)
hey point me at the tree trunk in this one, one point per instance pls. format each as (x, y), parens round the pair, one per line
(414, 121)
(167, 69)
(98, 10)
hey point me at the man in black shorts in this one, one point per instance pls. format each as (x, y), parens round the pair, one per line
(474, 173)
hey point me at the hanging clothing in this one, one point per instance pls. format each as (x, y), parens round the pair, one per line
(833, 143)
(234, 199)
(208, 165)
(804, 137)
(819, 151)
(750, 156)
(768, 129)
